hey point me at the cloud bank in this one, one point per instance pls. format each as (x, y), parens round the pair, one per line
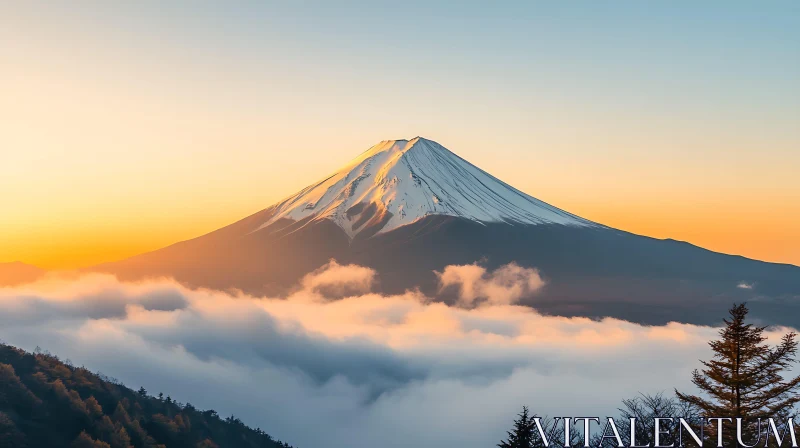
(362, 369)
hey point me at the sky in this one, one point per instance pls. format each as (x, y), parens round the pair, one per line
(127, 126)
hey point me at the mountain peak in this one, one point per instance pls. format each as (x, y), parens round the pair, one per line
(402, 146)
(398, 182)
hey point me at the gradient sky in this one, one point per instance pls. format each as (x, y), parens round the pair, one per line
(125, 127)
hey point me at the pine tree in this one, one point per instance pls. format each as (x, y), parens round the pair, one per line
(745, 377)
(522, 435)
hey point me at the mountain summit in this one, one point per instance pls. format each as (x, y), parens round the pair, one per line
(399, 182)
(410, 208)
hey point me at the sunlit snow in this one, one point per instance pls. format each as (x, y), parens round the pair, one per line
(398, 182)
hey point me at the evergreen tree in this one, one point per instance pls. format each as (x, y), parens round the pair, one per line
(522, 436)
(745, 377)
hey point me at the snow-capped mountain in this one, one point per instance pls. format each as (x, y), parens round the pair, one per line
(408, 209)
(398, 182)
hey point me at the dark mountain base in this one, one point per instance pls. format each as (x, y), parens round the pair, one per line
(592, 272)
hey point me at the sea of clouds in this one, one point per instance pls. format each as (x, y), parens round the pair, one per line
(335, 365)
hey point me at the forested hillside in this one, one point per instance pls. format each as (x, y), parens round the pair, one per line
(45, 402)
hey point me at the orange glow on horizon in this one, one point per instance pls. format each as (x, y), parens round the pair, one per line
(124, 135)
(721, 228)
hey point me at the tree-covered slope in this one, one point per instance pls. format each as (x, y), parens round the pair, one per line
(48, 403)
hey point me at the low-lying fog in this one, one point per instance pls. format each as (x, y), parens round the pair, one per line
(365, 370)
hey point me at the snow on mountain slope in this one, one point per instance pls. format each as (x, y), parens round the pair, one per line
(398, 182)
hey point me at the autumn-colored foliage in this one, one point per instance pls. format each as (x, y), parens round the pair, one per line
(46, 402)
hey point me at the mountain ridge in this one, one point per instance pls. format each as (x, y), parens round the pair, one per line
(17, 273)
(46, 402)
(591, 270)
